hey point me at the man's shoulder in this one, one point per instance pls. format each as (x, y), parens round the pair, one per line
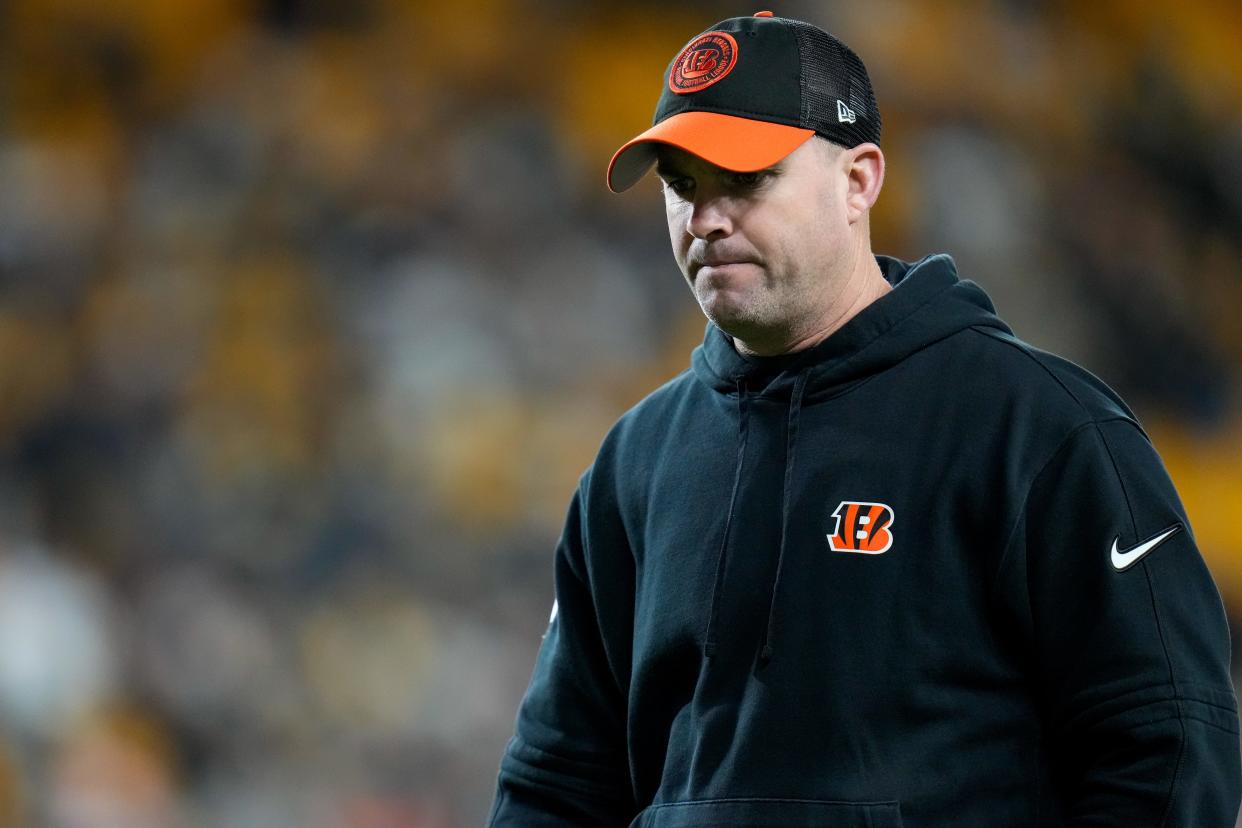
(650, 413)
(637, 439)
(1058, 387)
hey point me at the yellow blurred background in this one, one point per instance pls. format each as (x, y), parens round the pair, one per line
(311, 313)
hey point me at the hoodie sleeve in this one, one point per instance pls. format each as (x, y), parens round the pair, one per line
(567, 763)
(1128, 639)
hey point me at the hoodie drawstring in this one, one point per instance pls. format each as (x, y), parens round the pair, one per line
(791, 439)
(743, 418)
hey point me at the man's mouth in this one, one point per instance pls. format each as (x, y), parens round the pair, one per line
(718, 262)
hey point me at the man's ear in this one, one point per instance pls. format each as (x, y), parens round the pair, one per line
(864, 170)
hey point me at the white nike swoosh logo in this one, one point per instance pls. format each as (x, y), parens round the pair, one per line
(1128, 558)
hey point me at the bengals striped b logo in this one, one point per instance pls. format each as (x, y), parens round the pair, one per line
(862, 527)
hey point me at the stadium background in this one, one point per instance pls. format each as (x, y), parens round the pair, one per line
(311, 314)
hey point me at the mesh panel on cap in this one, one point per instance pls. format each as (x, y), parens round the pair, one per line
(831, 72)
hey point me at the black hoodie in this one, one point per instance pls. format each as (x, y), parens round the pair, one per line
(920, 574)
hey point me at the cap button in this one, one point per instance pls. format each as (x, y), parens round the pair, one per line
(763, 14)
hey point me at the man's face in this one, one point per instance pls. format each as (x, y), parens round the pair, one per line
(762, 252)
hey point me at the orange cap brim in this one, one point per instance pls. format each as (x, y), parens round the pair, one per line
(737, 144)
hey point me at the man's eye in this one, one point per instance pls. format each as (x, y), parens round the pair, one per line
(748, 179)
(681, 186)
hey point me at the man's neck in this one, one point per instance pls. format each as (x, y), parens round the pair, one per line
(871, 285)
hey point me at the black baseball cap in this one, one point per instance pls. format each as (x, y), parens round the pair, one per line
(750, 90)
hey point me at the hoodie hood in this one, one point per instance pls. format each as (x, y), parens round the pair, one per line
(927, 304)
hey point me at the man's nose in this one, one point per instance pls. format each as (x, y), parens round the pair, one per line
(710, 218)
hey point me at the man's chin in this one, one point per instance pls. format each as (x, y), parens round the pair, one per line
(733, 317)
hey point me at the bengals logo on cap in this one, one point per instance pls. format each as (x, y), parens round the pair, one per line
(707, 59)
(862, 527)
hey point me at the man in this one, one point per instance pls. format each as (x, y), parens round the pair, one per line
(871, 560)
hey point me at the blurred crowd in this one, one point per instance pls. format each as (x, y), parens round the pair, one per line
(311, 314)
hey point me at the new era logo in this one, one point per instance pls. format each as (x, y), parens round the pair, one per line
(845, 115)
